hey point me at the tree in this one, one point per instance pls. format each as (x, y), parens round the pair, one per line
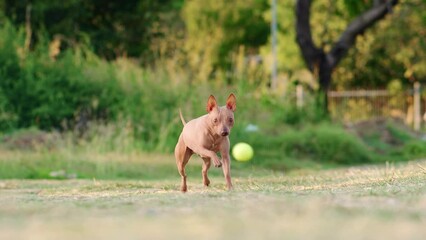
(322, 62)
(403, 57)
(113, 28)
(215, 29)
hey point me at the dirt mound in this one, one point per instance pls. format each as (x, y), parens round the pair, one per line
(392, 132)
(30, 139)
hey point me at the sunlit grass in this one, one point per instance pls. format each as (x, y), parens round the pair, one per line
(370, 202)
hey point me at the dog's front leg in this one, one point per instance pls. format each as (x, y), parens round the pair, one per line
(205, 153)
(226, 160)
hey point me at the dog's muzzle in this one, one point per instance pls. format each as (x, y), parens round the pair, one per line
(224, 133)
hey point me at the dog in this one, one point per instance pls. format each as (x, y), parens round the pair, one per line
(206, 136)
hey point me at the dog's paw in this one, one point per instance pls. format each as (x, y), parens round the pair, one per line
(218, 164)
(206, 182)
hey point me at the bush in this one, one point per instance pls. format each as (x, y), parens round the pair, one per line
(323, 143)
(36, 90)
(78, 88)
(415, 149)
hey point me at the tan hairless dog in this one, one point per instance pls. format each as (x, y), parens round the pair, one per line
(206, 136)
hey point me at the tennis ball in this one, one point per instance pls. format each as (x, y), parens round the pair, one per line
(242, 152)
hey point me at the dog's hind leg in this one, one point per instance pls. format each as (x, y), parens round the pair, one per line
(182, 155)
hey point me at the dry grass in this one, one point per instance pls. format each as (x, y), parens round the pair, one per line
(372, 202)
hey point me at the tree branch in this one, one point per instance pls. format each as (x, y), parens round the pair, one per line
(310, 52)
(358, 26)
(28, 30)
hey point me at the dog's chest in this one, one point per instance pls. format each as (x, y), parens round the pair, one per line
(213, 145)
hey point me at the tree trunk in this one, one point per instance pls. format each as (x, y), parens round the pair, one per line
(324, 75)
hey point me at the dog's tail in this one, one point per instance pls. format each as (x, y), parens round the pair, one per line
(181, 117)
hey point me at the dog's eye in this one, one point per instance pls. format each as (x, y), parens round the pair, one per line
(215, 120)
(231, 120)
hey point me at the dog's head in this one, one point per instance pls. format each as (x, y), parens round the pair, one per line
(221, 118)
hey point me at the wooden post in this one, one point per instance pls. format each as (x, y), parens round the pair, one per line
(299, 95)
(274, 45)
(417, 108)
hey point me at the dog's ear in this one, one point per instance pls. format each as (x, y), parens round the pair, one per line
(231, 103)
(211, 103)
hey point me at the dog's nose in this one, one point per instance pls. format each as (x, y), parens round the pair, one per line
(224, 133)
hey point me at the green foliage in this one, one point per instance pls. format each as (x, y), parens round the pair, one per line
(325, 143)
(9, 71)
(114, 28)
(55, 85)
(8, 119)
(41, 91)
(216, 29)
(415, 149)
(372, 64)
(203, 38)
(306, 146)
(289, 57)
(355, 7)
(293, 115)
(328, 20)
(410, 146)
(401, 135)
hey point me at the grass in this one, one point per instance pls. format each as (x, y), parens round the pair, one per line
(367, 202)
(71, 163)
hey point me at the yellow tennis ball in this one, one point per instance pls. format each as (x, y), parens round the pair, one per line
(242, 152)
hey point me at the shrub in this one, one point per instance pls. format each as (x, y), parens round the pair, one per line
(415, 149)
(36, 90)
(322, 143)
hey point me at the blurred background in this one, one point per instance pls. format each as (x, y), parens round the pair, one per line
(91, 89)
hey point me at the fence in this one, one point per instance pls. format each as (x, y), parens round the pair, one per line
(359, 105)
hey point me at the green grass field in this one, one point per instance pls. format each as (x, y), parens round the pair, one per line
(367, 202)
